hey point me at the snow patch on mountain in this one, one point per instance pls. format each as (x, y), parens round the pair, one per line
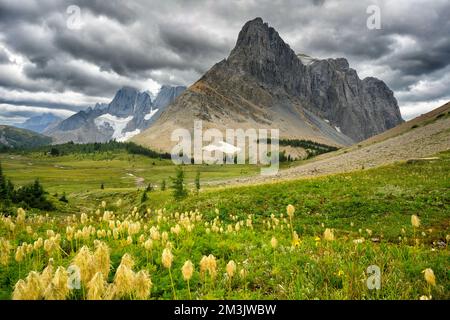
(151, 114)
(116, 123)
(128, 135)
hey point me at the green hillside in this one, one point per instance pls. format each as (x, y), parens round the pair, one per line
(12, 137)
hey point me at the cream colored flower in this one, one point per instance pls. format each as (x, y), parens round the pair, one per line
(167, 258)
(290, 209)
(429, 276)
(274, 242)
(187, 270)
(328, 234)
(415, 221)
(231, 269)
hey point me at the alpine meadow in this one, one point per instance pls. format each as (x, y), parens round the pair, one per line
(225, 151)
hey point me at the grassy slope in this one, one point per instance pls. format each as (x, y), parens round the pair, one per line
(381, 200)
(18, 138)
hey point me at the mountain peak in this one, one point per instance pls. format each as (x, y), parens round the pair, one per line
(262, 53)
(256, 32)
(127, 90)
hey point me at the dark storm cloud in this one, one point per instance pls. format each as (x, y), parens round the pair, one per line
(193, 45)
(432, 57)
(115, 54)
(32, 103)
(122, 11)
(65, 75)
(175, 42)
(3, 56)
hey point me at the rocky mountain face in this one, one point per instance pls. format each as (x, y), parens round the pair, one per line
(264, 84)
(128, 114)
(167, 95)
(39, 123)
(329, 88)
(359, 108)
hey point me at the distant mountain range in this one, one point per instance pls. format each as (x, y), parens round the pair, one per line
(12, 137)
(129, 113)
(265, 84)
(39, 123)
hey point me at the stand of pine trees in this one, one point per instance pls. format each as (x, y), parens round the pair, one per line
(29, 196)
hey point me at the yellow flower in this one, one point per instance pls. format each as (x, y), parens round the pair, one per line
(102, 258)
(274, 242)
(58, 288)
(187, 270)
(290, 209)
(148, 244)
(328, 235)
(231, 269)
(208, 263)
(295, 239)
(429, 276)
(84, 260)
(167, 258)
(96, 287)
(415, 221)
(124, 277)
(142, 285)
(129, 240)
(20, 215)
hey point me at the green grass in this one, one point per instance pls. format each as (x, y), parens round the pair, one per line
(374, 204)
(86, 172)
(381, 199)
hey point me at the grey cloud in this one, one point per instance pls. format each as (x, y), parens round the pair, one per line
(65, 76)
(43, 104)
(3, 57)
(122, 11)
(175, 42)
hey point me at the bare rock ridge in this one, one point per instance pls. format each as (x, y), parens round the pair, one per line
(129, 113)
(264, 84)
(329, 88)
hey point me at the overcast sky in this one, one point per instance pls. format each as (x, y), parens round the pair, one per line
(50, 60)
